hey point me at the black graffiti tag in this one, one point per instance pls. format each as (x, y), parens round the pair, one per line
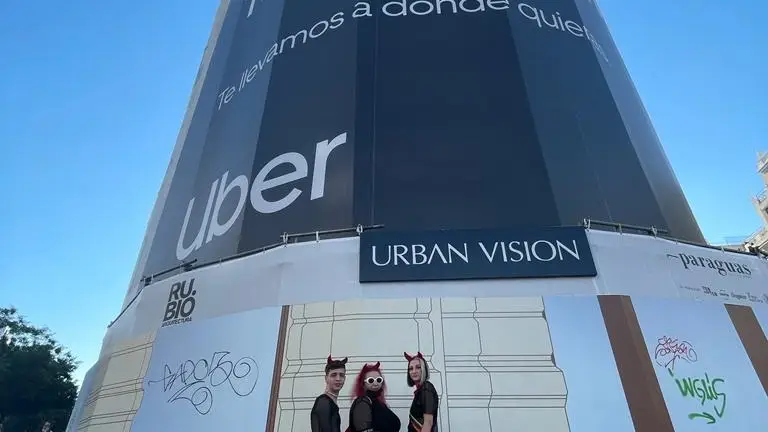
(197, 381)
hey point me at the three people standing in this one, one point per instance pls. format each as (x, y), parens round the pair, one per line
(369, 411)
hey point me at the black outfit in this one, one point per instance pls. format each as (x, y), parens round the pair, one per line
(368, 414)
(425, 401)
(325, 415)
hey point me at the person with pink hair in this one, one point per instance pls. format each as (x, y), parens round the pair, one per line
(369, 411)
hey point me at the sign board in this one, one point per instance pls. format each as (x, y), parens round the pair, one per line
(388, 256)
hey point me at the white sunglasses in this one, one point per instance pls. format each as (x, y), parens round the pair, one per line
(377, 380)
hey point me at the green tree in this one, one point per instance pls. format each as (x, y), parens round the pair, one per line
(36, 383)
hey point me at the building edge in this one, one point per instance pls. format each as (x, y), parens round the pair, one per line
(162, 194)
(698, 234)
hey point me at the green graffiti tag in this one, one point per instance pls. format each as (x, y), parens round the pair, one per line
(704, 390)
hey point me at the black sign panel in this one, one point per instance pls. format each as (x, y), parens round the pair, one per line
(474, 254)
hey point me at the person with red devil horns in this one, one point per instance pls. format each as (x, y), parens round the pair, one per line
(324, 416)
(423, 413)
(369, 411)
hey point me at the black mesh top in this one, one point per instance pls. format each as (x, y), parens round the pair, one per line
(425, 401)
(325, 415)
(368, 414)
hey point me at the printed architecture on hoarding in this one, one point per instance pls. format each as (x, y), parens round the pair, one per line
(495, 355)
(503, 353)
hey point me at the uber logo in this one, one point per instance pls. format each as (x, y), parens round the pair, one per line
(250, 8)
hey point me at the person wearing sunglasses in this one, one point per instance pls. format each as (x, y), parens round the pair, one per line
(324, 416)
(369, 411)
(423, 413)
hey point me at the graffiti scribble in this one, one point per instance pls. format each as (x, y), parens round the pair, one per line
(668, 350)
(703, 390)
(707, 392)
(196, 381)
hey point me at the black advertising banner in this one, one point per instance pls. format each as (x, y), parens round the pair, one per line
(454, 135)
(414, 114)
(640, 138)
(306, 141)
(387, 256)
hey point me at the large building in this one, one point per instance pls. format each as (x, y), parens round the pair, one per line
(758, 241)
(326, 115)
(467, 140)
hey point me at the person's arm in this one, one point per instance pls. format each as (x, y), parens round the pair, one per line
(429, 420)
(431, 403)
(320, 416)
(362, 416)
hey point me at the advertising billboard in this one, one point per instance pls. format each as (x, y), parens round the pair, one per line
(412, 114)
(387, 256)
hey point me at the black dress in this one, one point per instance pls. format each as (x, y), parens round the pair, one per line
(367, 414)
(425, 401)
(324, 416)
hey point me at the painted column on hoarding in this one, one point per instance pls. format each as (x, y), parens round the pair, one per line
(114, 392)
(752, 337)
(331, 114)
(641, 389)
(761, 312)
(83, 396)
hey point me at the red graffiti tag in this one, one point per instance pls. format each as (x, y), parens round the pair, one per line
(668, 350)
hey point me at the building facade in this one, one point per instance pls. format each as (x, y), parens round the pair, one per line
(312, 116)
(313, 123)
(758, 241)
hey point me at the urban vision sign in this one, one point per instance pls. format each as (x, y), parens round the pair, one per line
(387, 256)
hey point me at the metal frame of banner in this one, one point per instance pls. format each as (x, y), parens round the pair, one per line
(317, 234)
(659, 232)
(186, 266)
(147, 280)
(285, 239)
(652, 230)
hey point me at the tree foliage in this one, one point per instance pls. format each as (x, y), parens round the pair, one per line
(36, 383)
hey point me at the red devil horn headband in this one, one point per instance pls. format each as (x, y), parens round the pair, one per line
(371, 367)
(411, 357)
(343, 361)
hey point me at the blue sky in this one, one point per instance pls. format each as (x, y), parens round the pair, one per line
(92, 94)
